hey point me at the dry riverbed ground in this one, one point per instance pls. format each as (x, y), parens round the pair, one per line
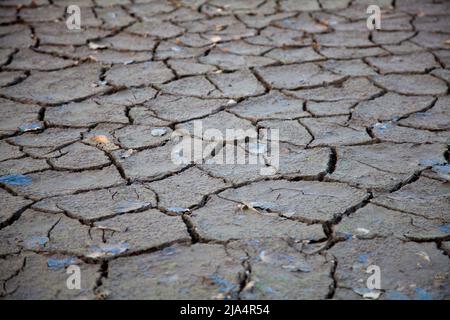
(364, 119)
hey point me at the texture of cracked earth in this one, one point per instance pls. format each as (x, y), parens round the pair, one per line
(85, 170)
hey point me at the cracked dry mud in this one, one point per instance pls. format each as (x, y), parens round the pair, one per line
(86, 175)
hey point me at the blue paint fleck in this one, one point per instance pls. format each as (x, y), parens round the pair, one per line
(442, 168)
(421, 294)
(396, 295)
(225, 286)
(178, 210)
(269, 290)
(381, 126)
(110, 249)
(114, 250)
(362, 291)
(429, 162)
(168, 251)
(36, 241)
(444, 228)
(15, 180)
(363, 257)
(31, 127)
(345, 235)
(60, 263)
